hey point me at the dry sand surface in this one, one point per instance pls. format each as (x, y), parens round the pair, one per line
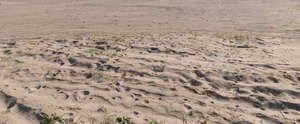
(92, 61)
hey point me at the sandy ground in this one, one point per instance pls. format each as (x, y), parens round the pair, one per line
(89, 62)
(20, 18)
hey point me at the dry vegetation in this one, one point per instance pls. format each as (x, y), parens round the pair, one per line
(239, 36)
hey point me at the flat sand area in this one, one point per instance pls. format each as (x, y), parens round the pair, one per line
(43, 17)
(150, 61)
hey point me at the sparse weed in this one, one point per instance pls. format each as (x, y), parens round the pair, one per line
(155, 122)
(102, 109)
(60, 107)
(123, 120)
(78, 108)
(116, 53)
(109, 119)
(117, 39)
(120, 39)
(113, 118)
(297, 8)
(111, 53)
(51, 119)
(203, 122)
(237, 36)
(5, 61)
(94, 51)
(34, 43)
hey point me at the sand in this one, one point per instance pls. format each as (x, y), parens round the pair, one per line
(167, 62)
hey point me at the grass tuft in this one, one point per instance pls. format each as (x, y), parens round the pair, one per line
(297, 8)
(52, 119)
(123, 120)
(237, 36)
(155, 122)
(94, 51)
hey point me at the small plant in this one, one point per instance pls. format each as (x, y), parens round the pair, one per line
(60, 107)
(203, 122)
(34, 43)
(117, 39)
(155, 122)
(120, 40)
(123, 120)
(51, 119)
(102, 109)
(78, 108)
(116, 53)
(94, 51)
(109, 119)
(240, 36)
(297, 7)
